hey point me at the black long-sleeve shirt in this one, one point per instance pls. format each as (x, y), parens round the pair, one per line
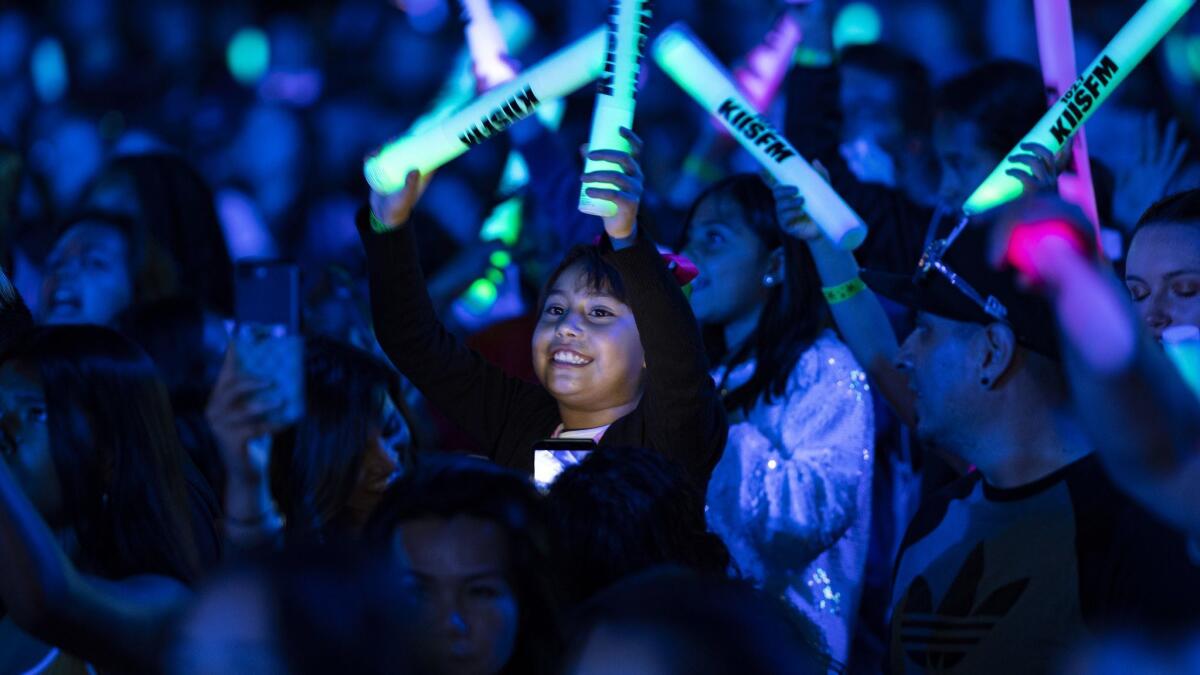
(680, 414)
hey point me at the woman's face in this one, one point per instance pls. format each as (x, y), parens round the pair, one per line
(387, 436)
(1162, 273)
(87, 276)
(458, 568)
(586, 348)
(25, 439)
(964, 161)
(732, 261)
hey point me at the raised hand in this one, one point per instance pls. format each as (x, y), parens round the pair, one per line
(1139, 184)
(1042, 173)
(628, 181)
(240, 410)
(393, 210)
(789, 208)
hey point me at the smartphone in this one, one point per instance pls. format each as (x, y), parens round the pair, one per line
(266, 339)
(552, 456)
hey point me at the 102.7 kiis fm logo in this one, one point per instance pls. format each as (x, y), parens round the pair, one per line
(645, 10)
(1087, 91)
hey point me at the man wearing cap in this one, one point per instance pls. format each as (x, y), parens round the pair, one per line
(1032, 551)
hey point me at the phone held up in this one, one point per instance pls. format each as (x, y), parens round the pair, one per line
(267, 343)
(552, 456)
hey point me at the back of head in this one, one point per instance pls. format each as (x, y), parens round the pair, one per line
(623, 510)
(1003, 98)
(176, 206)
(315, 468)
(675, 622)
(124, 478)
(907, 74)
(1179, 208)
(172, 332)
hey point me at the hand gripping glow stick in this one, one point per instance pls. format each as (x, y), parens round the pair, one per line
(1126, 50)
(491, 113)
(1056, 51)
(681, 55)
(616, 92)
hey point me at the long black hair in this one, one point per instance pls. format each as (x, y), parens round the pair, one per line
(134, 502)
(315, 468)
(795, 313)
(624, 510)
(446, 486)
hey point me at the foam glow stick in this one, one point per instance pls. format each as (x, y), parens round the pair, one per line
(616, 93)
(1126, 50)
(486, 42)
(681, 55)
(1182, 344)
(767, 64)
(1056, 51)
(491, 113)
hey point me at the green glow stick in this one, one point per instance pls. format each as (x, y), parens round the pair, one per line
(628, 21)
(1126, 50)
(554, 77)
(681, 55)
(1182, 344)
(503, 223)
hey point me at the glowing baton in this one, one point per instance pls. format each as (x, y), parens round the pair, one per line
(1126, 50)
(554, 77)
(485, 42)
(1182, 344)
(767, 64)
(628, 21)
(681, 55)
(1056, 51)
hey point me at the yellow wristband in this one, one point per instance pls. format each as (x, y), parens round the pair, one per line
(843, 291)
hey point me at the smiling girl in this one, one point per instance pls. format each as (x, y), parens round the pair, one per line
(616, 350)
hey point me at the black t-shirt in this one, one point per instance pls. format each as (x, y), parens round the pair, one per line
(1009, 580)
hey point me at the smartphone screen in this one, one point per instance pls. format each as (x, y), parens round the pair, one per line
(266, 340)
(552, 456)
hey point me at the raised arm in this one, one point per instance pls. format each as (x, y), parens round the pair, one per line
(113, 624)
(475, 395)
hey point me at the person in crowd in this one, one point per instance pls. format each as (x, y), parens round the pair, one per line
(624, 510)
(173, 205)
(324, 476)
(101, 265)
(187, 344)
(306, 611)
(671, 621)
(104, 522)
(617, 352)
(472, 543)
(791, 494)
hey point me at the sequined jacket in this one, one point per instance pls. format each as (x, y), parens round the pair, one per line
(791, 495)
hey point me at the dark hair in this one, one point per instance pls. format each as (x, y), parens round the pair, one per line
(445, 486)
(624, 510)
(1177, 208)
(315, 468)
(134, 502)
(708, 625)
(909, 75)
(795, 313)
(1003, 98)
(15, 318)
(176, 207)
(150, 268)
(599, 274)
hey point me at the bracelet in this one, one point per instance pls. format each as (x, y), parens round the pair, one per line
(843, 291)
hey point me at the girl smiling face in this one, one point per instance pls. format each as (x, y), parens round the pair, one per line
(586, 348)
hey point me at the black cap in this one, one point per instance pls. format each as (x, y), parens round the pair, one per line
(1030, 316)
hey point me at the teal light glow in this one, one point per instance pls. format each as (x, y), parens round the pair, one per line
(480, 297)
(857, 24)
(248, 55)
(48, 65)
(504, 223)
(500, 259)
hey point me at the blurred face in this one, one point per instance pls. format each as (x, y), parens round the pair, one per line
(459, 570)
(731, 260)
(965, 163)
(387, 436)
(586, 349)
(1162, 273)
(941, 369)
(25, 439)
(870, 109)
(87, 277)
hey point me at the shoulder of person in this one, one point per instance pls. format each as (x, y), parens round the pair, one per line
(826, 359)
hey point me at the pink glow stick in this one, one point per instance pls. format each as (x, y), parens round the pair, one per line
(765, 67)
(1056, 51)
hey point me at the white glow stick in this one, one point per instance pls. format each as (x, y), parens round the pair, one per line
(681, 55)
(1056, 51)
(628, 21)
(554, 77)
(486, 42)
